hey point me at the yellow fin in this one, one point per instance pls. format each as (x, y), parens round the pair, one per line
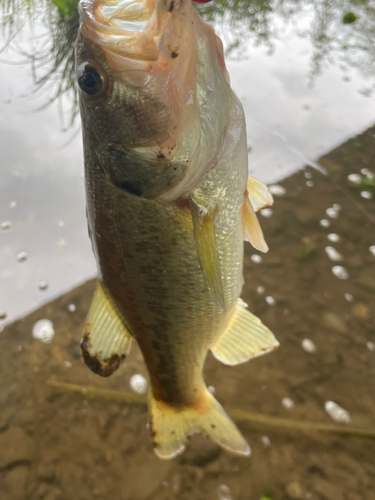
(171, 426)
(259, 195)
(106, 341)
(246, 337)
(204, 232)
(252, 231)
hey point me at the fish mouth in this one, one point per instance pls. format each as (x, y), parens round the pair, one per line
(129, 28)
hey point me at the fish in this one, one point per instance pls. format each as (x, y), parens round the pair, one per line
(169, 205)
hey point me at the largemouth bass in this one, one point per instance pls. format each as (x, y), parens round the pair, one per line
(169, 204)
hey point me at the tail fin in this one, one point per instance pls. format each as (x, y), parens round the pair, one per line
(172, 426)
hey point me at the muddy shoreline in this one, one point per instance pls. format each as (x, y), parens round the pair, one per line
(64, 446)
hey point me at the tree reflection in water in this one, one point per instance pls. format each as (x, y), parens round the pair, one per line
(341, 32)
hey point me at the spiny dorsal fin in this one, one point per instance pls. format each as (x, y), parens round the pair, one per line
(204, 232)
(259, 195)
(246, 337)
(106, 341)
(252, 231)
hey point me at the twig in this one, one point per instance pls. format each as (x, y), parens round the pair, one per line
(237, 415)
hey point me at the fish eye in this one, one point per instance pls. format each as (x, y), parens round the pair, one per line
(91, 78)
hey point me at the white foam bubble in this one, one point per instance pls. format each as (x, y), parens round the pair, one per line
(224, 493)
(308, 345)
(43, 330)
(333, 237)
(288, 403)
(266, 212)
(366, 195)
(6, 225)
(277, 190)
(355, 178)
(270, 300)
(337, 413)
(325, 223)
(138, 383)
(333, 254)
(340, 272)
(22, 256)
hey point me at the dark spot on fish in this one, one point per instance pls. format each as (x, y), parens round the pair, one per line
(103, 367)
(171, 6)
(161, 156)
(213, 426)
(173, 433)
(174, 54)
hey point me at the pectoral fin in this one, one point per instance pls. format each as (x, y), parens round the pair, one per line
(106, 341)
(259, 195)
(246, 337)
(252, 231)
(204, 232)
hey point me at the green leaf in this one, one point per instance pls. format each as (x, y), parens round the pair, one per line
(349, 18)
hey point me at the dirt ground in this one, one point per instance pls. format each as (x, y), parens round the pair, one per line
(63, 446)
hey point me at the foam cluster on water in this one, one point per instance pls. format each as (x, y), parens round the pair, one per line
(340, 272)
(43, 330)
(270, 300)
(224, 493)
(325, 223)
(288, 403)
(22, 256)
(333, 237)
(138, 383)
(333, 254)
(366, 195)
(355, 179)
(308, 346)
(277, 190)
(337, 413)
(266, 212)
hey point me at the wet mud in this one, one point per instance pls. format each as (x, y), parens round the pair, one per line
(57, 445)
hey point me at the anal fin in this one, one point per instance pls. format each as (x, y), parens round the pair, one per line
(204, 232)
(106, 341)
(245, 337)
